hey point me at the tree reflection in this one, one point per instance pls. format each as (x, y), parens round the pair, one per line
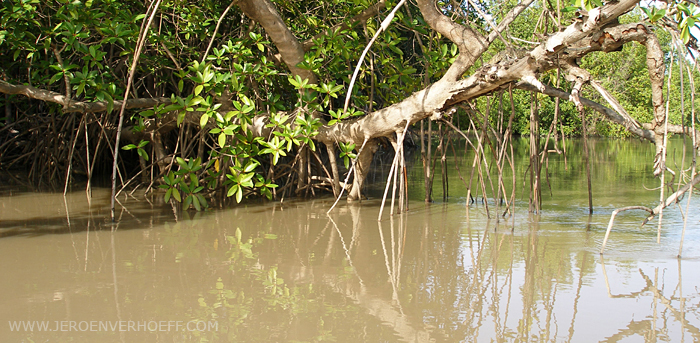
(647, 327)
(291, 273)
(426, 276)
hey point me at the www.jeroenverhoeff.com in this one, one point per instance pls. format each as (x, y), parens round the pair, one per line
(113, 326)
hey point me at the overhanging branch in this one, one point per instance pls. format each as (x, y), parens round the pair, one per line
(675, 197)
(609, 113)
(292, 52)
(77, 106)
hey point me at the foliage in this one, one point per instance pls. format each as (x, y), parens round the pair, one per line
(184, 184)
(88, 45)
(139, 149)
(256, 288)
(84, 49)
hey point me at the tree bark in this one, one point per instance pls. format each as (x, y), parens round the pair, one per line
(292, 52)
(364, 159)
(76, 106)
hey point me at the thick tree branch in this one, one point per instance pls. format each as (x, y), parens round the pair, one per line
(470, 54)
(607, 112)
(467, 40)
(657, 69)
(442, 94)
(675, 129)
(578, 31)
(265, 13)
(675, 197)
(76, 106)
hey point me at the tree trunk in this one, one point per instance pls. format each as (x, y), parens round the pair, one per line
(535, 187)
(364, 159)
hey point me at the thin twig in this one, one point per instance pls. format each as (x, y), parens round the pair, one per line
(140, 43)
(385, 24)
(218, 23)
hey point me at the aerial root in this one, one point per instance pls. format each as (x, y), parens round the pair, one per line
(612, 220)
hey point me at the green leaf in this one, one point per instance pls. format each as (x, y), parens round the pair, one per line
(142, 153)
(222, 139)
(246, 180)
(185, 188)
(239, 195)
(250, 167)
(176, 195)
(181, 117)
(202, 201)
(196, 101)
(195, 202)
(55, 77)
(167, 194)
(685, 34)
(110, 102)
(232, 190)
(181, 162)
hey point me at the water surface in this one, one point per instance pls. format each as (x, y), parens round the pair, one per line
(443, 272)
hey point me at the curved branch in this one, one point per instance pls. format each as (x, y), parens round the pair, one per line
(612, 221)
(464, 37)
(475, 47)
(292, 52)
(385, 24)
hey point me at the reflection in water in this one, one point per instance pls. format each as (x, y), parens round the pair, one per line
(290, 273)
(670, 312)
(283, 273)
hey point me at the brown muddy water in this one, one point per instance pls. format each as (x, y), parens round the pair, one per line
(287, 272)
